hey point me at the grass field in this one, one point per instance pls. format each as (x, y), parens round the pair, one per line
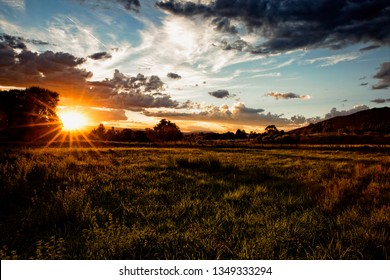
(194, 203)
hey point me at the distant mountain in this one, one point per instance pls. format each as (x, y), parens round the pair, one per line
(376, 120)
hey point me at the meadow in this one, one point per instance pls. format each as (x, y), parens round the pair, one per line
(194, 203)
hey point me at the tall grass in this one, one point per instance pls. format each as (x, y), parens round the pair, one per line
(136, 203)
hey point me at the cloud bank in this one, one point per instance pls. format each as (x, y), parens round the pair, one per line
(63, 73)
(335, 113)
(291, 25)
(131, 93)
(17, 42)
(48, 69)
(238, 115)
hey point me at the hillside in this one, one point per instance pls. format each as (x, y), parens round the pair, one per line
(376, 120)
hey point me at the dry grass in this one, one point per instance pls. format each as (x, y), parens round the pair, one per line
(188, 203)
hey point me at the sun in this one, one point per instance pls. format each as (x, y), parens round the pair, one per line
(72, 120)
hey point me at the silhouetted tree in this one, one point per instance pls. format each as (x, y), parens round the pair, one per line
(126, 135)
(123, 135)
(111, 135)
(167, 131)
(271, 129)
(253, 135)
(140, 136)
(30, 113)
(99, 133)
(210, 136)
(241, 134)
(228, 136)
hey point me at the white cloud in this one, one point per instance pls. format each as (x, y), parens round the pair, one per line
(63, 34)
(183, 46)
(233, 117)
(68, 34)
(270, 75)
(9, 28)
(104, 68)
(332, 60)
(18, 5)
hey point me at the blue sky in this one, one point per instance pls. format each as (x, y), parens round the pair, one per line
(205, 65)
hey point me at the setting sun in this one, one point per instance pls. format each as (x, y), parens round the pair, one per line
(72, 120)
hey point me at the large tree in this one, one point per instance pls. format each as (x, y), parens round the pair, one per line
(167, 131)
(29, 114)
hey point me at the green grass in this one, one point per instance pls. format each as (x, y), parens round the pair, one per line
(189, 203)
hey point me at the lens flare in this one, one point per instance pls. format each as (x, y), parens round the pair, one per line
(72, 120)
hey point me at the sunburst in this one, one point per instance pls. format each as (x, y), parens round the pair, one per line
(72, 120)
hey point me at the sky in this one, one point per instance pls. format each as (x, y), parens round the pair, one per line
(207, 65)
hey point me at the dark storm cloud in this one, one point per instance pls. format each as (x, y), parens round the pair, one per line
(140, 83)
(153, 83)
(288, 95)
(221, 93)
(173, 76)
(62, 72)
(380, 100)
(186, 8)
(100, 56)
(7, 55)
(224, 25)
(135, 101)
(294, 24)
(132, 93)
(48, 69)
(384, 76)
(12, 41)
(19, 42)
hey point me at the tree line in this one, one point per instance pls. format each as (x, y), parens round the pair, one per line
(164, 131)
(30, 114)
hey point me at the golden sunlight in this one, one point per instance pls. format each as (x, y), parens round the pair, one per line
(72, 120)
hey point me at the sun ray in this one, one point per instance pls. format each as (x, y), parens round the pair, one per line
(48, 133)
(58, 134)
(71, 132)
(72, 120)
